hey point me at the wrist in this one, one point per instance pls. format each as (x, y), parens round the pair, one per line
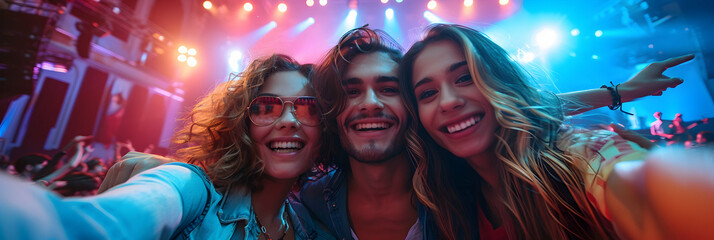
(616, 97)
(626, 93)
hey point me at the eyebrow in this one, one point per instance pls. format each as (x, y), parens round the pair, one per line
(422, 82)
(351, 81)
(383, 79)
(456, 66)
(452, 68)
(380, 79)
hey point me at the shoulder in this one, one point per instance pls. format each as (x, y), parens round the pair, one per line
(317, 187)
(314, 194)
(306, 223)
(141, 155)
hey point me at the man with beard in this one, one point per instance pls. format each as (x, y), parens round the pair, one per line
(369, 193)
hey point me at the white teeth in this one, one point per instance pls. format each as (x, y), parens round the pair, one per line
(286, 145)
(463, 125)
(374, 126)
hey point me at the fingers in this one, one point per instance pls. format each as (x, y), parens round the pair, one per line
(674, 82)
(677, 60)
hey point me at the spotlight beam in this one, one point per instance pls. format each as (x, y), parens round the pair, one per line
(433, 18)
(349, 23)
(391, 25)
(300, 27)
(253, 37)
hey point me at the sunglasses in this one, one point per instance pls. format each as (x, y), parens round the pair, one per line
(266, 110)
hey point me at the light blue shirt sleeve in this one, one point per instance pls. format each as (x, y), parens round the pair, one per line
(151, 205)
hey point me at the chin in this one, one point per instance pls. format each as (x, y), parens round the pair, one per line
(284, 174)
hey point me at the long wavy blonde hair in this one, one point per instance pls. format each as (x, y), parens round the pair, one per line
(542, 190)
(216, 134)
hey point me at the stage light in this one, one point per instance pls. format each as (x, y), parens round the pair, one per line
(349, 23)
(385, 1)
(503, 2)
(575, 32)
(233, 60)
(598, 33)
(253, 37)
(431, 5)
(191, 61)
(207, 5)
(650, 46)
(182, 49)
(282, 7)
(572, 54)
(595, 57)
(192, 51)
(352, 16)
(300, 27)
(116, 10)
(310, 3)
(399, 1)
(323, 2)
(547, 38)
(182, 58)
(248, 7)
(525, 56)
(433, 18)
(391, 25)
(468, 3)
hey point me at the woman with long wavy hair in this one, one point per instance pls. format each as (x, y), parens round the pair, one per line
(249, 141)
(530, 177)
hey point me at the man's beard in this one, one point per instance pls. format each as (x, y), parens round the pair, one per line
(371, 154)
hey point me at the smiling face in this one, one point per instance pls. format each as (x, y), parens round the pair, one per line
(374, 118)
(287, 147)
(451, 108)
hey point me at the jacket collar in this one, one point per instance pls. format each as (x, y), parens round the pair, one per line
(238, 208)
(337, 181)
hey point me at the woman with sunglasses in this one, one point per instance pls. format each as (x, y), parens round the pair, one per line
(498, 162)
(250, 139)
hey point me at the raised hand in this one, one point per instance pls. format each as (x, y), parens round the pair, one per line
(651, 80)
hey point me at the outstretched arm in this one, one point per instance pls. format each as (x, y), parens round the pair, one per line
(648, 82)
(152, 205)
(668, 195)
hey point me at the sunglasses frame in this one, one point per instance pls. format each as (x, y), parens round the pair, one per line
(284, 100)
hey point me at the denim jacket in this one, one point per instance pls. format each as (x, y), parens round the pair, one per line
(172, 201)
(326, 199)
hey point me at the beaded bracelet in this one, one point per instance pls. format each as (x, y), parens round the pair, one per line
(616, 98)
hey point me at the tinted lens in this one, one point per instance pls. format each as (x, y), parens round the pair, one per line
(306, 111)
(265, 110)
